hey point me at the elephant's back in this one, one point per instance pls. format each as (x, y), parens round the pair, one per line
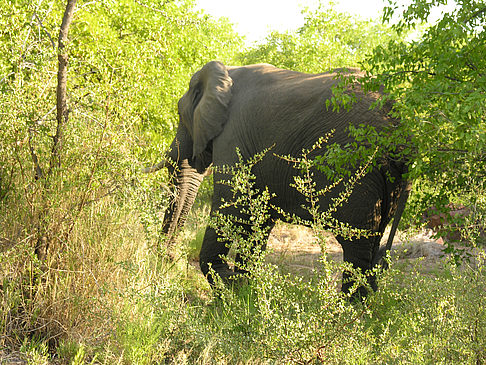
(265, 83)
(288, 109)
(285, 112)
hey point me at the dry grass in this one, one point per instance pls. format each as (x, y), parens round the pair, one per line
(75, 293)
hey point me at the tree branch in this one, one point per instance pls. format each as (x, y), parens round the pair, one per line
(39, 174)
(475, 14)
(391, 74)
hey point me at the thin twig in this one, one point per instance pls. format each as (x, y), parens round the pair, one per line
(475, 14)
(45, 30)
(352, 320)
(85, 5)
(390, 74)
(2, 80)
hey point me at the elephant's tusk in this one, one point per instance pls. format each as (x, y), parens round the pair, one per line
(154, 168)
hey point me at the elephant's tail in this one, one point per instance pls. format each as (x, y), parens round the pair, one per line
(402, 202)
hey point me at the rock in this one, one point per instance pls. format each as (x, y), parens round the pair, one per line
(447, 221)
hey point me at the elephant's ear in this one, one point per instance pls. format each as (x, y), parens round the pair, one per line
(211, 112)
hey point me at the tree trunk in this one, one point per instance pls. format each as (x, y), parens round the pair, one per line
(62, 109)
(42, 245)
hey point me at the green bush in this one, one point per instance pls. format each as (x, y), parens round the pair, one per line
(438, 81)
(275, 317)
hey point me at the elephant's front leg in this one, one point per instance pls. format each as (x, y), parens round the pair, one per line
(216, 242)
(212, 256)
(215, 249)
(360, 253)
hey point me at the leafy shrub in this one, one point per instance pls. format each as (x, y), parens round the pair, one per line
(415, 317)
(438, 83)
(73, 231)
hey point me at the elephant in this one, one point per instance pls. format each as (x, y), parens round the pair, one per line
(255, 107)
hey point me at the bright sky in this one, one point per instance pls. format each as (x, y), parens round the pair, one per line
(255, 18)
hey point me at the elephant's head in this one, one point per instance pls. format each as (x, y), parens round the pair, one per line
(202, 115)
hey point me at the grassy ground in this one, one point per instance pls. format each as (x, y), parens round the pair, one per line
(112, 298)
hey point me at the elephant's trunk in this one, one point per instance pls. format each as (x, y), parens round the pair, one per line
(186, 181)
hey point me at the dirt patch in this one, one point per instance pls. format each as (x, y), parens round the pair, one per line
(295, 248)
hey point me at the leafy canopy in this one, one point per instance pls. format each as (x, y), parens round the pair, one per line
(439, 85)
(328, 39)
(129, 61)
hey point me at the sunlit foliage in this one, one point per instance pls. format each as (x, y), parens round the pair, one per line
(328, 39)
(128, 63)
